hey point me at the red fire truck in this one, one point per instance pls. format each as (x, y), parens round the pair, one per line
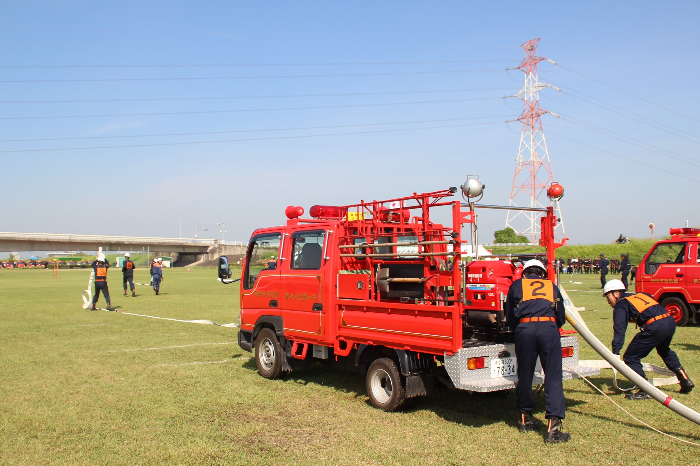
(670, 272)
(380, 288)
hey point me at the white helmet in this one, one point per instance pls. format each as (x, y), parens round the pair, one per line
(613, 285)
(100, 257)
(126, 254)
(534, 263)
(160, 260)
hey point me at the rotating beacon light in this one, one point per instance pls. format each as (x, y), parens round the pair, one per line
(294, 212)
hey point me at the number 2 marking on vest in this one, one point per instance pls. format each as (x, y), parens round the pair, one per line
(539, 285)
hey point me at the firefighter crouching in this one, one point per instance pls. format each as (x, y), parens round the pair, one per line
(157, 273)
(100, 266)
(656, 331)
(128, 272)
(535, 310)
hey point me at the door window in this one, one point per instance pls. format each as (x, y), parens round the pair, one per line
(665, 253)
(307, 250)
(263, 252)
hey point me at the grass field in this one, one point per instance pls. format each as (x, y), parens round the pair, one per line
(84, 387)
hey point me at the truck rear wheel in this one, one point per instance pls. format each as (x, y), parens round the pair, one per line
(268, 354)
(678, 310)
(384, 385)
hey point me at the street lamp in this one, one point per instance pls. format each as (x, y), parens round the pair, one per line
(181, 223)
(223, 229)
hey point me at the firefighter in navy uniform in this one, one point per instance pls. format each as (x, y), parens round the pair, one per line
(157, 274)
(128, 272)
(100, 266)
(535, 310)
(625, 269)
(656, 331)
(604, 263)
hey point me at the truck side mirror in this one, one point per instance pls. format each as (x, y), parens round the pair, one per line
(224, 270)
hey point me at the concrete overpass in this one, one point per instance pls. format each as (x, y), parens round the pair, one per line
(195, 248)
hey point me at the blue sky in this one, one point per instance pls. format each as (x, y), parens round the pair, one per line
(107, 127)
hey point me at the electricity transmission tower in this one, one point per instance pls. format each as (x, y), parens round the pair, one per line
(533, 171)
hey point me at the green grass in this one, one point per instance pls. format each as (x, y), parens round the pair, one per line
(82, 387)
(636, 248)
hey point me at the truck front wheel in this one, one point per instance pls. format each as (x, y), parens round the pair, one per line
(384, 385)
(678, 310)
(268, 354)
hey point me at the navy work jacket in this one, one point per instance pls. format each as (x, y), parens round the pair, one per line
(639, 307)
(550, 304)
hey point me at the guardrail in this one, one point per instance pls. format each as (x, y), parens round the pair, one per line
(69, 238)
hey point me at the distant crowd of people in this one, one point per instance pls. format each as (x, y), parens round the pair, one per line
(599, 265)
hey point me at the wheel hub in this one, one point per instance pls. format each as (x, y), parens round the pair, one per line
(267, 354)
(381, 386)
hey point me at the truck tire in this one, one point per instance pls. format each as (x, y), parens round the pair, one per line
(678, 310)
(384, 385)
(268, 354)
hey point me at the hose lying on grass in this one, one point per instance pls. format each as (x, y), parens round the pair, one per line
(201, 321)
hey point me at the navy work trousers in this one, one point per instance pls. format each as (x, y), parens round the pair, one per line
(541, 339)
(624, 278)
(156, 282)
(101, 286)
(603, 273)
(129, 279)
(655, 335)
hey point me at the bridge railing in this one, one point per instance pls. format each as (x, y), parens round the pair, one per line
(70, 238)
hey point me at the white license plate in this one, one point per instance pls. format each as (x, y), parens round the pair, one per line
(501, 367)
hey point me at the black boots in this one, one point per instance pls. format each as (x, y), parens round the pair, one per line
(94, 307)
(527, 422)
(554, 433)
(133, 293)
(640, 395)
(686, 384)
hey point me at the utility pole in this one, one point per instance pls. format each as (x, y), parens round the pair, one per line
(533, 170)
(223, 229)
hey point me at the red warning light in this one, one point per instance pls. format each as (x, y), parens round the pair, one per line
(327, 211)
(294, 212)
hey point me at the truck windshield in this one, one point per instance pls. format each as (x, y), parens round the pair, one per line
(263, 252)
(665, 253)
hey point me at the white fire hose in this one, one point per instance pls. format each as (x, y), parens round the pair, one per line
(574, 318)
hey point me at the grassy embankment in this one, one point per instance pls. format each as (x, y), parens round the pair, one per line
(82, 387)
(637, 249)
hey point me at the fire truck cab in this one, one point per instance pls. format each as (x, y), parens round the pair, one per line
(379, 288)
(670, 272)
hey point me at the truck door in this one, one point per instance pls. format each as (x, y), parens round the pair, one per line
(693, 266)
(260, 289)
(667, 267)
(303, 273)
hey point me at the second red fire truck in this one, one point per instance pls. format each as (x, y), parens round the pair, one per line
(380, 288)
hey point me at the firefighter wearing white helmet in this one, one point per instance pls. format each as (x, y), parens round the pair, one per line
(128, 274)
(656, 330)
(535, 310)
(157, 274)
(99, 267)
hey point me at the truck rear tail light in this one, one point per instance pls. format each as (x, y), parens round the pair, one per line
(567, 352)
(475, 363)
(327, 211)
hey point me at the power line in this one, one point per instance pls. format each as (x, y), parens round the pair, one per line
(248, 130)
(166, 99)
(632, 141)
(630, 94)
(244, 140)
(242, 65)
(245, 110)
(639, 119)
(219, 78)
(623, 157)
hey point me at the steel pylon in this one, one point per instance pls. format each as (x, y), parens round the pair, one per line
(533, 170)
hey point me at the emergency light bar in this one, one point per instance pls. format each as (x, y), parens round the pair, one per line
(684, 231)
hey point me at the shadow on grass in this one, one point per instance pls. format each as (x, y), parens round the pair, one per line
(689, 346)
(634, 424)
(457, 406)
